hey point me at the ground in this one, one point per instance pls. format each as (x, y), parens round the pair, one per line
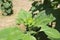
(8, 21)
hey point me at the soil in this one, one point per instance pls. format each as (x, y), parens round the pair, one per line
(8, 21)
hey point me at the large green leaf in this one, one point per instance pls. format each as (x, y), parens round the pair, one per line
(24, 17)
(42, 18)
(14, 34)
(20, 36)
(53, 33)
(4, 33)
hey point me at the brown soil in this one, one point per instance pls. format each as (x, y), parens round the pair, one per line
(7, 21)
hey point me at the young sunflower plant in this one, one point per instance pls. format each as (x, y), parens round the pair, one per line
(38, 24)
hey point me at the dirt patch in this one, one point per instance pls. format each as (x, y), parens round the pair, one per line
(6, 21)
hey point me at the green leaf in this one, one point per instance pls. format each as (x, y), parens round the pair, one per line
(8, 11)
(14, 34)
(6, 5)
(33, 8)
(20, 36)
(2, 8)
(24, 17)
(42, 18)
(5, 32)
(54, 38)
(53, 33)
(1, 2)
(28, 37)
